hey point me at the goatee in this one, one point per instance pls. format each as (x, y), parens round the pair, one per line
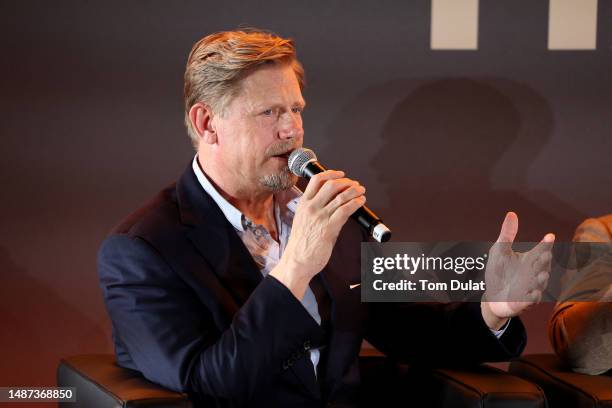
(280, 181)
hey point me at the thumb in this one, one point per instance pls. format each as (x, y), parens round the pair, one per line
(509, 228)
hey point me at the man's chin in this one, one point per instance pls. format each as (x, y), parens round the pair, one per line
(279, 181)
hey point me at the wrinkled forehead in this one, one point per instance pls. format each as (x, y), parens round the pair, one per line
(271, 85)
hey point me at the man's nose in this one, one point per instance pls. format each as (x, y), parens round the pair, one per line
(291, 126)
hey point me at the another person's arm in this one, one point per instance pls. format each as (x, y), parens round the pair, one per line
(580, 331)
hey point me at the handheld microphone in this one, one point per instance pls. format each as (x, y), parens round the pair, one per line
(303, 163)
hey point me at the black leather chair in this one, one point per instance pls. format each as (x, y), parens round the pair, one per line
(481, 386)
(101, 383)
(563, 387)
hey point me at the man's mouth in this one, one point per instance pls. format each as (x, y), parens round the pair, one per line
(283, 155)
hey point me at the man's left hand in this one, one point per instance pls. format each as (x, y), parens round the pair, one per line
(514, 281)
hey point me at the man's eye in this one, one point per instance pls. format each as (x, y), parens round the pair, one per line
(297, 109)
(267, 112)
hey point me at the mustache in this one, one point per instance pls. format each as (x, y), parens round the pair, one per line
(281, 148)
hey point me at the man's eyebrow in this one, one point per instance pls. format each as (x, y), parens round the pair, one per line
(300, 104)
(267, 105)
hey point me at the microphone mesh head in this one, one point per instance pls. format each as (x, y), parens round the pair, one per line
(298, 159)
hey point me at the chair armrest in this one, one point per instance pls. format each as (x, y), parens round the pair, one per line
(563, 387)
(101, 383)
(479, 386)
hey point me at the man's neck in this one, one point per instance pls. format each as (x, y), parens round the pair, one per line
(258, 206)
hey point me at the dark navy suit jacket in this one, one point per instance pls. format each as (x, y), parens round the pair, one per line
(191, 311)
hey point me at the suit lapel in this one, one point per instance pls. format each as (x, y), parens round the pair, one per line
(215, 239)
(229, 259)
(225, 253)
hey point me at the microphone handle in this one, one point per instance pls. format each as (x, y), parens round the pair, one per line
(364, 216)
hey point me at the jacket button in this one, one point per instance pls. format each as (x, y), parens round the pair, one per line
(307, 345)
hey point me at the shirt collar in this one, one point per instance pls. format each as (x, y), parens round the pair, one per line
(233, 215)
(285, 201)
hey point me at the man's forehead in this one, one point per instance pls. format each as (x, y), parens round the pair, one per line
(272, 84)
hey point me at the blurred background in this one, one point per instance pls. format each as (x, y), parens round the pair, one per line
(450, 116)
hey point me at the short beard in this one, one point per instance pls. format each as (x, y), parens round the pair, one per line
(280, 181)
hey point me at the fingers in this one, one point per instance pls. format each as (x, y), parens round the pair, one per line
(342, 213)
(331, 189)
(338, 196)
(534, 296)
(545, 245)
(509, 228)
(353, 191)
(540, 258)
(540, 273)
(318, 180)
(542, 262)
(542, 280)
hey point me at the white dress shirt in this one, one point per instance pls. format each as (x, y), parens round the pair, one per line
(263, 248)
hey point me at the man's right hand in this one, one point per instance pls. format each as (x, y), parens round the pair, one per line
(327, 203)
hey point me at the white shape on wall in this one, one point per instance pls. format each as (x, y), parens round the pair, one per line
(454, 24)
(572, 24)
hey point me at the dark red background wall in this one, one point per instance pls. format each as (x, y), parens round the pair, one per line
(445, 141)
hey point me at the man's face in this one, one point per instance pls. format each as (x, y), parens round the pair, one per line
(260, 127)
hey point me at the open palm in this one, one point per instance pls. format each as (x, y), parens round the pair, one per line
(514, 280)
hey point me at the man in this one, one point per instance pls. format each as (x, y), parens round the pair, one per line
(580, 329)
(234, 286)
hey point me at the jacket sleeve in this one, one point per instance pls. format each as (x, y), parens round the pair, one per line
(437, 334)
(579, 323)
(170, 335)
(577, 332)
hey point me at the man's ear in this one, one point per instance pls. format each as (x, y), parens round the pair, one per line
(201, 118)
